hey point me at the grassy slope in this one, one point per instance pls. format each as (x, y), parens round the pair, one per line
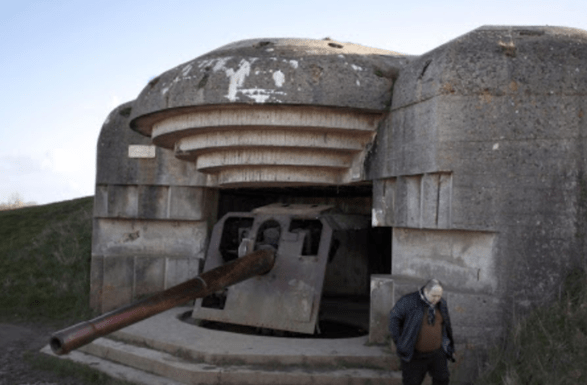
(44, 275)
(45, 260)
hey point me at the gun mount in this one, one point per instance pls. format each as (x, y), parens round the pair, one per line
(277, 253)
(255, 263)
(308, 239)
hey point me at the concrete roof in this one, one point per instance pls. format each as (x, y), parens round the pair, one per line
(273, 71)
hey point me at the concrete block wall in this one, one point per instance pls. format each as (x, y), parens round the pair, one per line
(382, 300)
(152, 217)
(465, 259)
(498, 112)
(418, 201)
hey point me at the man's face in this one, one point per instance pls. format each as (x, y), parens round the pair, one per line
(433, 295)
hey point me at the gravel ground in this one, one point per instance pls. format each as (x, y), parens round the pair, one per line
(16, 340)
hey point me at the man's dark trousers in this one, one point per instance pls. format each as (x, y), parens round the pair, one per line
(413, 372)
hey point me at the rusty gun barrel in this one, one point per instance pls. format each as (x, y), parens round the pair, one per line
(256, 263)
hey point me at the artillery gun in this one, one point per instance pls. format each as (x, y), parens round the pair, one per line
(264, 268)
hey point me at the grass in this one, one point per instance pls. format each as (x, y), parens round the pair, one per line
(45, 261)
(549, 347)
(44, 275)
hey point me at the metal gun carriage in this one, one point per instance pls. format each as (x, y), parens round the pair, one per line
(264, 268)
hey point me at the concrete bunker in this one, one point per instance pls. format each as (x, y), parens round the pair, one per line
(469, 161)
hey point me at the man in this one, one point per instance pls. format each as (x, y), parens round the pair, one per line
(420, 328)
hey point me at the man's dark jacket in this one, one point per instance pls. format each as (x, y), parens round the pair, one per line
(405, 320)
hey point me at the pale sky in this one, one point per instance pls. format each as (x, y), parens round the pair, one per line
(64, 65)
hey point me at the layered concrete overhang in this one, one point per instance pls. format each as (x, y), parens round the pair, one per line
(272, 111)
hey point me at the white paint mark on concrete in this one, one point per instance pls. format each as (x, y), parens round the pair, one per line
(305, 305)
(141, 151)
(358, 83)
(237, 78)
(260, 95)
(205, 63)
(220, 63)
(377, 216)
(186, 70)
(496, 146)
(278, 78)
(293, 64)
(356, 68)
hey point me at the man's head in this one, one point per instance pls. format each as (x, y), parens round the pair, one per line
(433, 291)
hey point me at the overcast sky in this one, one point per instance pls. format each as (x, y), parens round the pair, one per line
(64, 65)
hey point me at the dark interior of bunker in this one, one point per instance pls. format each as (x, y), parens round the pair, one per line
(354, 252)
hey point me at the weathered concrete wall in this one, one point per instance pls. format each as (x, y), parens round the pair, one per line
(465, 259)
(381, 301)
(485, 138)
(152, 216)
(131, 258)
(419, 201)
(115, 167)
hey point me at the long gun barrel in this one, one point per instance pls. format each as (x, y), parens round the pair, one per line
(256, 263)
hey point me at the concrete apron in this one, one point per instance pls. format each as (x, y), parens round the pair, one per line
(165, 350)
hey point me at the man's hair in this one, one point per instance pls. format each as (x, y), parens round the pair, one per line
(432, 283)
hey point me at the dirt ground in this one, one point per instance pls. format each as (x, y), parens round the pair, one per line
(16, 340)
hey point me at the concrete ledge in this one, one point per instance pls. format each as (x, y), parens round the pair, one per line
(382, 300)
(166, 333)
(167, 347)
(185, 370)
(114, 370)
